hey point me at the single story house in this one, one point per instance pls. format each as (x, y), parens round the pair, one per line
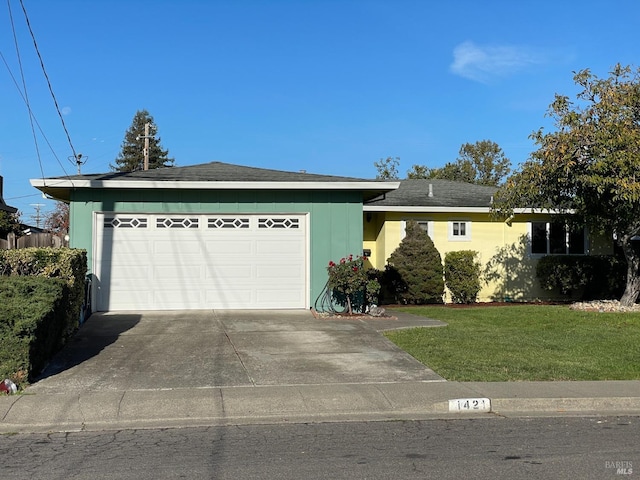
(218, 235)
(214, 235)
(457, 216)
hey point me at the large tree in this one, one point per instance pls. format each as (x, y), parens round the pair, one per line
(418, 171)
(589, 166)
(457, 171)
(57, 221)
(387, 168)
(482, 163)
(131, 156)
(487, 160)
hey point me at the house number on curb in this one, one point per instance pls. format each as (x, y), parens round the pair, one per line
(470, 405)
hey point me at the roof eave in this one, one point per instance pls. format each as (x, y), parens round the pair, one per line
(59, 188)
(425, 209)
(8, 209)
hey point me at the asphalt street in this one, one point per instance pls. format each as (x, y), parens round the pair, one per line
(489, 448)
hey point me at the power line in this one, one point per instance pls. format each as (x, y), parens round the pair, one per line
(44, 71)
(24, 86)
(24, 196)
(31, 113)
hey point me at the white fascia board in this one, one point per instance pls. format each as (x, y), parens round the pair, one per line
(424, 209)
(213, 185)
(51, 182)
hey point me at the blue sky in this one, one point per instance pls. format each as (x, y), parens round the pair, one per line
(325, 86)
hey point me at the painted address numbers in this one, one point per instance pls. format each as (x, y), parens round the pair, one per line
(470, 405)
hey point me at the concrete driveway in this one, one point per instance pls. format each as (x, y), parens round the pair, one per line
(199, 349)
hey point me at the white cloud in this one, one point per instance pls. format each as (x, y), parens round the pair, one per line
(484, 63)
(66, 110)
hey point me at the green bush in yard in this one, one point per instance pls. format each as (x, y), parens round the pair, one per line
(462, 275)
(68, 264)
(391, 285)
(32, 324)
(592, 277)
(418, 265)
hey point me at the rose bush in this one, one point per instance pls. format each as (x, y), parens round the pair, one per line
(351, 284)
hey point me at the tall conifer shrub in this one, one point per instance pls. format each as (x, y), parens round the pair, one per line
(418, 265)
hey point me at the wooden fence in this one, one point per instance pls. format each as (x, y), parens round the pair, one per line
(32, 240)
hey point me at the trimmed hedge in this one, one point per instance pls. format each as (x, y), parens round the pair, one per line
(595, 277)
(68, 264)
(32, 324)
(462, 275)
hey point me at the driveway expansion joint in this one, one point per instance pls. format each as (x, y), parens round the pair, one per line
(237, 353)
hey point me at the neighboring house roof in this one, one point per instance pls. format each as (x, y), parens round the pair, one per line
(213, 175)
(434, 195)
(3, 206)
(29, 229)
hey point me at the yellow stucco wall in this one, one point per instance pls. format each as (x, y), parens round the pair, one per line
(503, 248)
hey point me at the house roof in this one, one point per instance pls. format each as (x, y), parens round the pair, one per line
(7, 208)
(208, 176)
(432, 195)
(3, 206)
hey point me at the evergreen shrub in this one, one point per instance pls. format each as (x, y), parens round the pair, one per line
(416, 266)
(462, 272)
(32, 324)
(69, 264)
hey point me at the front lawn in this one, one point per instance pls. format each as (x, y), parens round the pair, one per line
(525, 342)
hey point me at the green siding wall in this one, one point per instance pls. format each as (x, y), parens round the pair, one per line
(335, 223)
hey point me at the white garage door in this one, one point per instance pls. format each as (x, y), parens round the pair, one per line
(169, 262)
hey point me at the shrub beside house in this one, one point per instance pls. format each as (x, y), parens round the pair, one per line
(418, 268)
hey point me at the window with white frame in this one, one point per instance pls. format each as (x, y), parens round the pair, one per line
(555, 238)
(426, 225)
(459, 230)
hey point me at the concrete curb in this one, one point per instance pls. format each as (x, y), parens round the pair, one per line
(630, 405)
(175, 408)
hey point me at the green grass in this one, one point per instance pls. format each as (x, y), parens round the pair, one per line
(525, 342)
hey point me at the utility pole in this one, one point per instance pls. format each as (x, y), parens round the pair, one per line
(145, 150)
(37, 217)
(146, 146)
(78, 160)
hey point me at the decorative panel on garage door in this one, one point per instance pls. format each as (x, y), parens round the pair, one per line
(167, 262)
